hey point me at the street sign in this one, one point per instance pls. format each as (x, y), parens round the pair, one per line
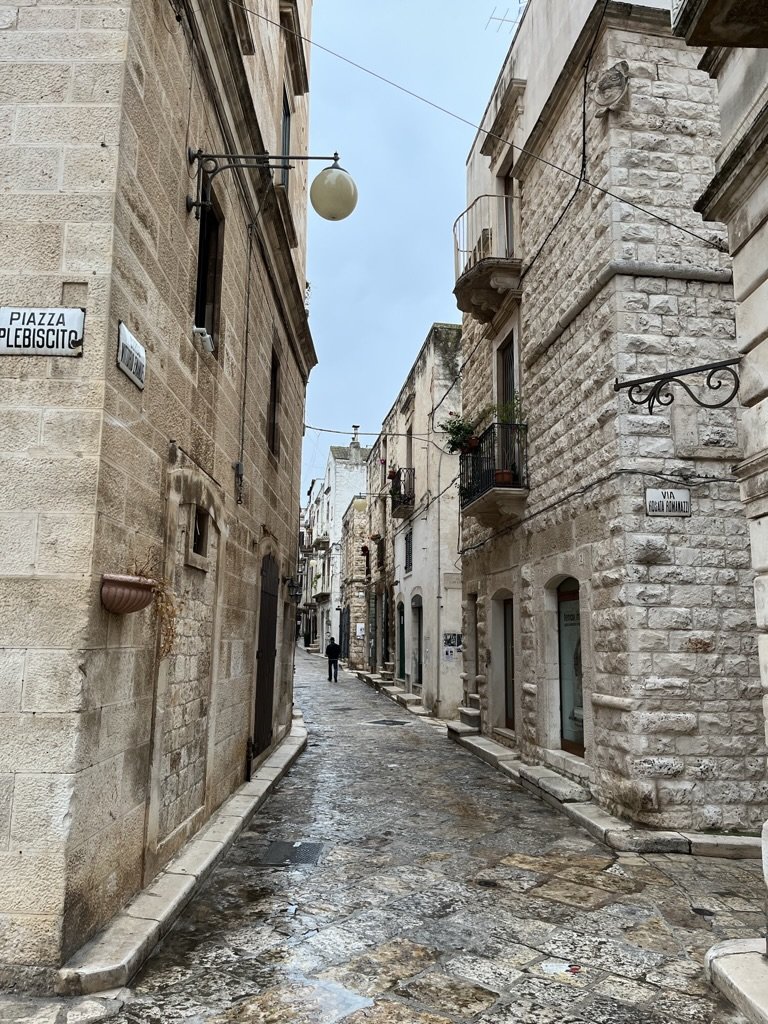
(41, 331)
(131, 356)
(668, 502)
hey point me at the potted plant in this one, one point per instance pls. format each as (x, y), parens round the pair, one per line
(461, 433)
(125, 593)
(392, 474)
(511, 411)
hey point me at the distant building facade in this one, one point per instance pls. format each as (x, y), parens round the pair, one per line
(160, 439)
(355, 573)
(608, 620)
(414, 592)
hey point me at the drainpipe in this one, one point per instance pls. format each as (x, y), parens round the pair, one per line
(438, 643)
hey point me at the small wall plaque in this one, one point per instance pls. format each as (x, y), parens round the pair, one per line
(131, 356)
(670, 502)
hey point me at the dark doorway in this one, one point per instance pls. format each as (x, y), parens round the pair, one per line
(418, 641)
(569, 644)
(265, 654)
(401, 640)
(509, 664)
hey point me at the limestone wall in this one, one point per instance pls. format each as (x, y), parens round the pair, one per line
(103, 740)
(671, 694)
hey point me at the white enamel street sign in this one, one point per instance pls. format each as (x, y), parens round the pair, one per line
(669, 502)
(131, 356)
(41, 332)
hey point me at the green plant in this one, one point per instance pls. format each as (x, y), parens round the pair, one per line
(459, 431)
(511, 411)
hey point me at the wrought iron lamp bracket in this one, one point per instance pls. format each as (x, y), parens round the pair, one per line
(659, 386)
(209, 165)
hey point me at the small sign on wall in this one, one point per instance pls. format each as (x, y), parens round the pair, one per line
(131, 356)
(451, 646)
(54, 331)
(669, 502)
(360, 630)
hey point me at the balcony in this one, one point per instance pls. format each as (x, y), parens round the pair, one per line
(721, 22)
(494, 476)
(487, 272)
(403, 491)
(322, 542)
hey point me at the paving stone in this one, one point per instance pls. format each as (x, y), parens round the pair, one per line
(428, 849)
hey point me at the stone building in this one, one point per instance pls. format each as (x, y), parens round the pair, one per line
(606, 570)
(355, 561)
(414, 593)
(329, 498)
(736, 34)
(135, 445)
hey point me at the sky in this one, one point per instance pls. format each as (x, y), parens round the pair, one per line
(381, 278)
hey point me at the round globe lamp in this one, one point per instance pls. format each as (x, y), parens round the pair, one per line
(333, 193)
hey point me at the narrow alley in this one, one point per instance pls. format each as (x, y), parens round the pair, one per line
(427, 889)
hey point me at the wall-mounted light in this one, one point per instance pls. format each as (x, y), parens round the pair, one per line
(333, 193)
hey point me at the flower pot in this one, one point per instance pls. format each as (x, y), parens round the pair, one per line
(470, 444)
(124, 594)
(504, 478)
(392, 474)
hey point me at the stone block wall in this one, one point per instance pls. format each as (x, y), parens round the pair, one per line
(354, 536)
(107, 477)
(671, 693)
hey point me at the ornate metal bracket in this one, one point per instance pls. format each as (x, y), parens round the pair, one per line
(657, 395)
(211, 164)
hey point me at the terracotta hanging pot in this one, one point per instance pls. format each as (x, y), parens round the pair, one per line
(124, 594)
(504, 478)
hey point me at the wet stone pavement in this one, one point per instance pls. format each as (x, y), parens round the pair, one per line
(427, 889)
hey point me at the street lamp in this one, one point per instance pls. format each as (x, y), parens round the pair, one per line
(333, 193)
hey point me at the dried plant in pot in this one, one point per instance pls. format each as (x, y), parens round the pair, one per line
(122, 594)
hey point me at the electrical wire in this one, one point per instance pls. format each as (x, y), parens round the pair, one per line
(692, 478)
(712, 242)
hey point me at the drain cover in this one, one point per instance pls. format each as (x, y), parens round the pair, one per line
(341, 709)
(281, 854)
(389, 721)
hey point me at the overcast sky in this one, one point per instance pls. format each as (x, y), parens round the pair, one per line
(381, 278)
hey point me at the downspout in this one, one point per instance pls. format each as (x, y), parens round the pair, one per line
(438, 641)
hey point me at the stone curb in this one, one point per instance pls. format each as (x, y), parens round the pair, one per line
(575, 800)
(739, 969)
(114, 956)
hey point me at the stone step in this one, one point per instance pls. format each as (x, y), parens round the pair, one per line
(408, 699)
(457, 731)
(386, 674)
(473, 699)
(470, 716)
(392, 691)
(390, 666)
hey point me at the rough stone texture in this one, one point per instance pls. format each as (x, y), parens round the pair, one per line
(445, 890)
(118, 755)
(354, 537)
(673, 721)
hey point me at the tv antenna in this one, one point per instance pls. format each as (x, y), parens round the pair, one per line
(503, 19)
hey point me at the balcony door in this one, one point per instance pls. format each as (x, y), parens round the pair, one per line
(509, 664)
(571, 689)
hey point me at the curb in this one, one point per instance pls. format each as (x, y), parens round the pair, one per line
(739, 970)
(113, 957)
(576, 801)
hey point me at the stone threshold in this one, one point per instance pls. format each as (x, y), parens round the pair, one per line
(576, 801)
(112, 958)
(739, 969)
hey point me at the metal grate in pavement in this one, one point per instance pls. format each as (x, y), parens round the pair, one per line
(281, 854)
(341, 709)
(389, 721)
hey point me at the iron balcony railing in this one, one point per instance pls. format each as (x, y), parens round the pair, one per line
(482, 232)
(403, 490)
(500, 459)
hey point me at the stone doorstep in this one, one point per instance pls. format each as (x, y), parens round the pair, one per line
(392, 691)
(114, 956)
(407, 699)
(739, 969)
(576, 801)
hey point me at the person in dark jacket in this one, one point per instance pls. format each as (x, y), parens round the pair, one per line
(332, 652)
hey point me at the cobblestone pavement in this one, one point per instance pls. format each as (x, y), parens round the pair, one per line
(441, 893)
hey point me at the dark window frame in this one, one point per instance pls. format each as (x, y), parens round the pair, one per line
(409, 551)
(285, 139)
(273, 409)
(210, 267)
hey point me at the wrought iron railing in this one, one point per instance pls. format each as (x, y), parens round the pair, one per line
(403, 489)
(483, 231)
(500, 459)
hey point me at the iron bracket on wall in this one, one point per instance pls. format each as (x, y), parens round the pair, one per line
(657, 395)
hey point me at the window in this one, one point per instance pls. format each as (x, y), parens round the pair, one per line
(209, 268)
(409, 447)
(380, 553)
(200, 533)
(506, 388)
(285, 139)
(571, 690)
(273, 427)
(409, 551)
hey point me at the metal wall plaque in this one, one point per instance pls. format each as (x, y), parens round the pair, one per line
(131, 356)
(672, 502)
(41, 331)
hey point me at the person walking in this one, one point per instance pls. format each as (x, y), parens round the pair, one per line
(332, 652)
